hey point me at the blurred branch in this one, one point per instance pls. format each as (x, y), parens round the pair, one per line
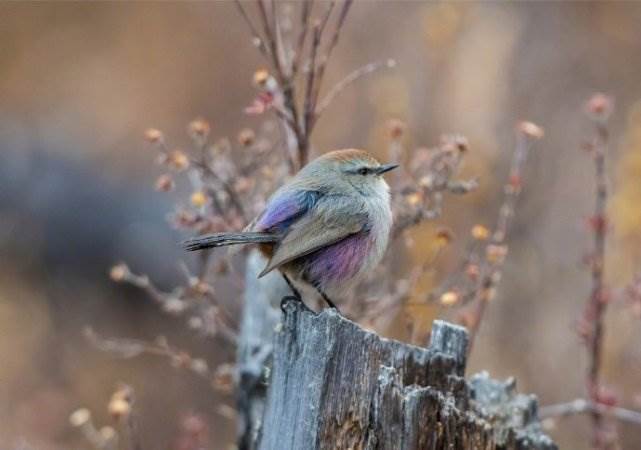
(418, 189)
(104, 439)
(287, 67)
(599, 108)
(496, 250)
(130, 348)
(475, 283)
(334, 39)
(306, 12)
(308, 104)
(121, 273)
(121, 409)
(351, 78)
(269, 30)
(212, 318)
(401, 294)
(257, 39)
(207, 171)
(322, 64)
(323, 22)
(582, 406)
(421, 187)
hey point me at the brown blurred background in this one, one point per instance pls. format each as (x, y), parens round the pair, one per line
(79, 82)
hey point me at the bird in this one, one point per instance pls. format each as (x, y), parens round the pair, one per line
(326, 228)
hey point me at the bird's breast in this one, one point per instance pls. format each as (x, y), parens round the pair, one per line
(380, 221)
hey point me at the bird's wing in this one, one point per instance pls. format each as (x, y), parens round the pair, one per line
(283, 208)
(331, 220)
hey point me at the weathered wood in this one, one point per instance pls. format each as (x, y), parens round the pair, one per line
(335, 385)
(261, 313)
(514, 417)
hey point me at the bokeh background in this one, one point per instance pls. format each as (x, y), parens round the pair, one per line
(79, 82)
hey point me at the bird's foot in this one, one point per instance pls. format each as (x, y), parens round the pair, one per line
(328, 300)
(293, 298)
(332, 305)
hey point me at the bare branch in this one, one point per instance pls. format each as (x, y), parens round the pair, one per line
(233, 197)
(326, 16)
(599, 108)
(334, 40)
(278, 38)
(308, 107)
(129, 348)
(496, 250)
(351, 78)
(257, 39)
(332, 44)
(582, 406)
(306, 12)
(269, 28)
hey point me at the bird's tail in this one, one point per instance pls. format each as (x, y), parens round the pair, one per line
(228, 238)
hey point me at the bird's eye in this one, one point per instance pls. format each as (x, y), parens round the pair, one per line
(363, 171)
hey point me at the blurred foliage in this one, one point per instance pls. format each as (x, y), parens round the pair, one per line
(626, 213)
(80, 82)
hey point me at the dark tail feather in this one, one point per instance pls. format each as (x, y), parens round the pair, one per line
(228, 238)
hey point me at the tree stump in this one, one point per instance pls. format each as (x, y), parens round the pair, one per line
(261, 314)
(334, 385)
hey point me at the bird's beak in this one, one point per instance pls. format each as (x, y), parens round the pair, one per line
(385, 168)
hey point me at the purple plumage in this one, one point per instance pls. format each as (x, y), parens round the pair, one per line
(339, 262)
(333, 264)
(285, 208)
(328, 226)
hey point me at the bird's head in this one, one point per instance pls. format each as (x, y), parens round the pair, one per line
(352, 168)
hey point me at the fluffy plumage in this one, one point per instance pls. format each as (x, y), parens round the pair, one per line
(328, 226)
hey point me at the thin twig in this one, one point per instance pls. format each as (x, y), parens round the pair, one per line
(308, 107)
(258, 40)
(582, 406)
(443, 165)
(278, 38)
(597, 303)
(272, 52)
(127, 348)
(306, 12)
(351, 78)
(143, 282)
(284, 115)
(496, 250)
(322, 65)
(270, 37)
(326, 16)
(401, 298)
(229, 189)
(135, 442)
(334, 40)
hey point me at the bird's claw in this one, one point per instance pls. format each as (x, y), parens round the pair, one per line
(293, 298)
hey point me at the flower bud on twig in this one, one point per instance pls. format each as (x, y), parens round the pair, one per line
(119, 272)
(153, 136)
(165, 183)
(199, 128)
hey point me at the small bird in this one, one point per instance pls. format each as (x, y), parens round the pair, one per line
(326, 228)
